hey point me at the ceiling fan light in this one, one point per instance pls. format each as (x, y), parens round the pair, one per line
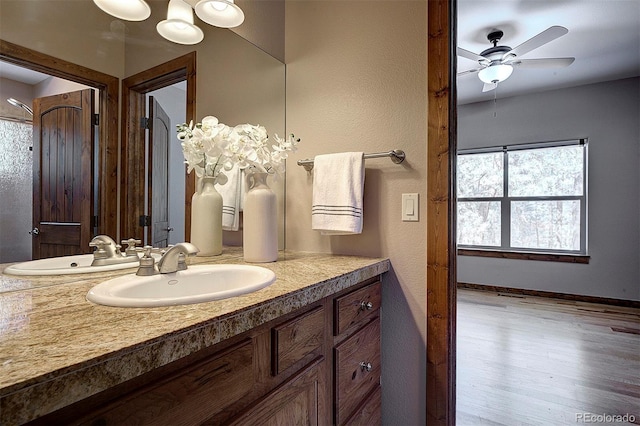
(495, 73)
(179, 27)
(129, 10)
(220, 13)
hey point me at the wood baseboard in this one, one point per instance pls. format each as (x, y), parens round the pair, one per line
(540, 293)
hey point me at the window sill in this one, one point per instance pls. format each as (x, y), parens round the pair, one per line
(547, 257)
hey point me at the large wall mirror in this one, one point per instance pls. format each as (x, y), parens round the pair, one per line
(234, 80)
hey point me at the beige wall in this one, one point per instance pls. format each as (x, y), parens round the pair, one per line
(263, 25)
(356, 80)
(76, 31)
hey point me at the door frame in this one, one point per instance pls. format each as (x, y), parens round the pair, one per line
(107, 86)
(134, 90)
(441, 213)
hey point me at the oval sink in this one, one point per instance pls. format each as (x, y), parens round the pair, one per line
(65, 265)
(199, 283)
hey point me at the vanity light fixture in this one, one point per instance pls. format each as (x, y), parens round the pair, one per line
(221, 13)
(495, 73)
(179, 27)
(129, 10)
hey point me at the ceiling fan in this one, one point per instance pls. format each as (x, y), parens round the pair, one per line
(497, 62)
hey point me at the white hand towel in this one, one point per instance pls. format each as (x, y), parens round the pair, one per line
(338, 189)
(232, 194)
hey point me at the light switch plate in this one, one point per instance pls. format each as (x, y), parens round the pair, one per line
(410, 208)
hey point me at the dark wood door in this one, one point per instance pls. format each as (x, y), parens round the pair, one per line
(62, 173)
(159, 134)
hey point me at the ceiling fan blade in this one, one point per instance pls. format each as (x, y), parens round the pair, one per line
(536, 41)
(543, 62)
(470, 55)
(469, 71)
(489, 86)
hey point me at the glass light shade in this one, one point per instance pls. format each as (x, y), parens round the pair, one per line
(495, 73)
(220, 13)
(129, 10)
(179, 27)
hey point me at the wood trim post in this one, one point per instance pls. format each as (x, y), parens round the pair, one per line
(441, 254)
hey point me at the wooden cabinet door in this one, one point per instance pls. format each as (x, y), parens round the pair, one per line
(296, 402)
(62, 173)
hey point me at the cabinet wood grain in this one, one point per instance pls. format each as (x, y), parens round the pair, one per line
(296, 339)
(369, 413)
(295, 402)
(189, 396)
(356, 307)
(354, 380)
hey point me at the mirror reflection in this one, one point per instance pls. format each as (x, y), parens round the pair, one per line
(234, 80)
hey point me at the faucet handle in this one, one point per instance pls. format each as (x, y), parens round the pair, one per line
(131, 246)
(100, 252)
(147, 263)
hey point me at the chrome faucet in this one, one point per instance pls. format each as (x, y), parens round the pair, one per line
(174, 259)
(108, 252)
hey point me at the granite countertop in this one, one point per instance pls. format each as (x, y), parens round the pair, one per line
(57, 348)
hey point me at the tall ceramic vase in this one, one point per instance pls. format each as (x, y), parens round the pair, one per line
(260, 221)
(206, 219)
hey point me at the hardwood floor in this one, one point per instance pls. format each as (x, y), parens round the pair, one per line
(524, 360)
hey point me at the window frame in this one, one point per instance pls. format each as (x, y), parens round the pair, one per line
(506, 201)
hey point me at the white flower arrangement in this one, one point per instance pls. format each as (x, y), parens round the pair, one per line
(210, 148)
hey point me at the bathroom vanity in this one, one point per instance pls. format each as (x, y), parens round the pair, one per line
(305, 350)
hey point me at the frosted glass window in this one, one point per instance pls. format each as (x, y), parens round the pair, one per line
(16, 176)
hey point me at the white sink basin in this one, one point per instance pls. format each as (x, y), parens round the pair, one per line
(78, 264)
(199, 283)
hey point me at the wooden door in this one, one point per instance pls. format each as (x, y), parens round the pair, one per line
(295, 402)
(63, 137)
(159, 134)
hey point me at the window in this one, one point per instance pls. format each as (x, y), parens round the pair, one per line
(527, 198)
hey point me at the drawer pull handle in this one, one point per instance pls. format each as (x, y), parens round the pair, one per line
(366, 306)
(366, 366)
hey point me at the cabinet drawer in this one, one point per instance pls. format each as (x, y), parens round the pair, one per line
(357, 369)
(190, 397)
(356, 307)
(370, 412)
(297, 339)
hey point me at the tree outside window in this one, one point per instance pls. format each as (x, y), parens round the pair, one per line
(529, 198)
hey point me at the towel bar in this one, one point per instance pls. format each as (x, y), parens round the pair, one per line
(397, 156)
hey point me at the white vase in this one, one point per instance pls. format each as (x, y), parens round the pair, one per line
(206, 219)
(260, 221)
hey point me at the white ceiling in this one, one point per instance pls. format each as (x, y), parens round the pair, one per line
(23, 75)
(604, 37)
